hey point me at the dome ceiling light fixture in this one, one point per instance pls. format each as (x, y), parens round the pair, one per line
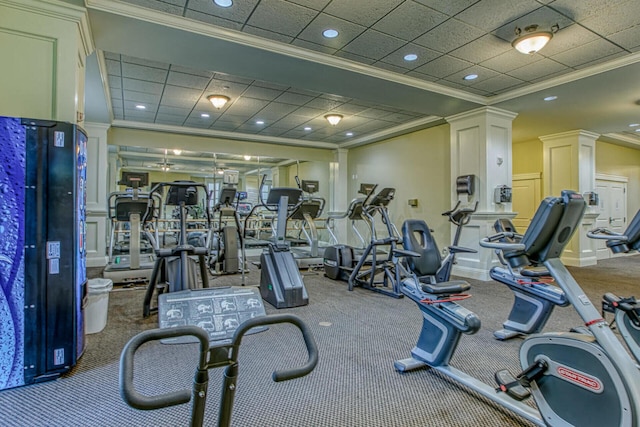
(333, 119)
(530, 40)
(218, 101)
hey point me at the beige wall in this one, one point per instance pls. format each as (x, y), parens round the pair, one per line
(318, 171)
(527, 158)
(417, 165)
(614, 159)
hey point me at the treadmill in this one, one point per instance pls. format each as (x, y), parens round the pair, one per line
(306, 212)
(128, 207)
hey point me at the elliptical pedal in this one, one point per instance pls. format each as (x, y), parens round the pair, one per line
(507, 383)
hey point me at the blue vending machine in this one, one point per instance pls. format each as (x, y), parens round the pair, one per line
(43, 281)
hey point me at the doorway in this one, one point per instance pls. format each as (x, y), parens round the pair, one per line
(612, 208)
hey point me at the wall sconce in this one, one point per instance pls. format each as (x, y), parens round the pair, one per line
(218, 101)
(531, 40)
(333, 119)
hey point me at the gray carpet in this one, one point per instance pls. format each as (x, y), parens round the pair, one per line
(359, 335)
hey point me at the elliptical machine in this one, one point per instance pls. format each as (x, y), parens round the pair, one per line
(575, 379)
(626, 309)
(175, 268)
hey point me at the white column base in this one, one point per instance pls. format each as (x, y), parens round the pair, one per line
(581, 250)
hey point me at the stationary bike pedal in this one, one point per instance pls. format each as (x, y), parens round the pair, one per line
(507, 383)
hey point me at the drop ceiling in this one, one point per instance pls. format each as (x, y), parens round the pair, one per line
(270, 58)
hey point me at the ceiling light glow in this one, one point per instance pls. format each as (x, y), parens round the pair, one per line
(349, 134)
(550, 98)
(531, 40)
(410, 57)
(205, 115)
(141, 107)
(470, 77)
(330, 33)
(634, 125)
(223, 3)
(333, 119)
(218, 101)
(307, 128)
(259, 122)
(247, 158)
(177, 152)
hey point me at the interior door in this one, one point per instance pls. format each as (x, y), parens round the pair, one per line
(612, 209)
(525, 199)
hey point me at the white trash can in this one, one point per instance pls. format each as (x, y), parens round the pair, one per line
(95, 313)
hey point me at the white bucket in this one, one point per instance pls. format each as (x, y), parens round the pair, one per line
(95, 313)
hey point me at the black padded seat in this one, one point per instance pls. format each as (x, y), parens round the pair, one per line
(633, 238)
(535, 272)
(417, 237)
(446, 288)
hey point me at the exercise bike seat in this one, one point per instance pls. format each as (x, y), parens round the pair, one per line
(446, 288)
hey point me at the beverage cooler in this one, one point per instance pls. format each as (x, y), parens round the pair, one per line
(43, 280)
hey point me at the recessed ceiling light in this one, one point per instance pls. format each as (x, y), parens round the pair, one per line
(634, 125)
(471, 77)
(349, 133)
(550, 98)
(307, 128)
(330, 33)
(205, 115)
(223, 3)
(247, 158)
(259, 122)
(410, 57)
(637, 130)
(141, 107)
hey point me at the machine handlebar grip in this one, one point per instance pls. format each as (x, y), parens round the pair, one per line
(310, 343)
(494, 242)
(606, 234)
(127, 389)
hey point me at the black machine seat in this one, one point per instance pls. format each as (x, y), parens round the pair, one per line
(446, 288)
(127, 206)
(417, 237)
(182, 192)
(632, 234)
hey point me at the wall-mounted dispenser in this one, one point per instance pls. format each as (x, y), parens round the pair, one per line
(592, 198)
(502, 194)
(465, 184)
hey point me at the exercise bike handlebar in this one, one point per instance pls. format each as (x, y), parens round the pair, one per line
(309, 342)
(127, 389)
(606, 234)
(495, 242)
(460, 216)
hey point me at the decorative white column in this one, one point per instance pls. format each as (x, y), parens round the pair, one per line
(481, 146)
(339, 182)
(97, 190)
(569, 164)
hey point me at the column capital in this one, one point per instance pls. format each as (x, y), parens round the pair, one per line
(569, 134)
(480, 112)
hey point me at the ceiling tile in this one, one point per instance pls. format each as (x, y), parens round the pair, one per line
(449, 35)
(390, 67)
(221, 87)
(323, 104)
(294, 98)
(588, 52)
(139, 72)
(230, 78)
(601, 60)
(224, 126)
(109, 55)
(613, 20)
(498, 84)
(291, 121)
(174, 111)
(246, 106)
(187, 80)
(267, 34)
(538, 70)
(628, 39)
(240, 11)
(397, 58)
(261, 93)
(142, 86)
(421, 76)
(113, 67)
(275, 111)
(193, 72)
(270, 85)
(137, 115)
(312, 4)
(281, 17)
(568, 38)
(354, 57)
(369, 12)
(374, 113)
(313, 46)
(373, 44)
(175, 9)
(310, 112)
(212, 19)
(583, 9)
(115, 83)
(350, 108)
(492, 14)
(510, 60)
(450, 7)
(443, 66)
(144, 62)
(146, 98)
(483, 74)
(174, 96)
(347, 31)
(409, 20)
(170, 119)
(482, 49)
